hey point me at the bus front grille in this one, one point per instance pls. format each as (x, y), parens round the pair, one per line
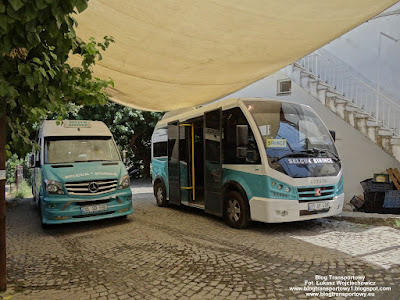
(316, 193)
(91, 188)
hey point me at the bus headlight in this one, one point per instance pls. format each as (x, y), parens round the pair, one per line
(124, 182)
(281, 190)
(53, 187)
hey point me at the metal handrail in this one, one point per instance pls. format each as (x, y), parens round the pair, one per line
(351, 85)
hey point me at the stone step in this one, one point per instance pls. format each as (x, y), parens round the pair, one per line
(350, 107)
(323, 86)
(362, 115)
(339, 101)
(385, 132)
(298, 66)
(304, 74)
(372, 123)
(333, 94)
(395, 141)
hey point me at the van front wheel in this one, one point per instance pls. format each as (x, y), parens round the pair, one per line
(160, 194)
(237, 211)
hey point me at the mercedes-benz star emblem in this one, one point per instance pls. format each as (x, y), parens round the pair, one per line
(93, 187)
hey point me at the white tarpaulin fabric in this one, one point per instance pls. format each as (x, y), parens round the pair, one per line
(180, 53)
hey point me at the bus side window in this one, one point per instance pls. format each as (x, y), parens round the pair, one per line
(160, 147)
(231, 118)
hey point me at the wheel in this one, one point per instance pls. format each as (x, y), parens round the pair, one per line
(160, 194)
(237, 210)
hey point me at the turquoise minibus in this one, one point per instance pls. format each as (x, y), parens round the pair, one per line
(78, 173)
(248, 159)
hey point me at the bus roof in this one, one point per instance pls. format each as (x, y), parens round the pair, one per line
(192, 112)
(73, 128)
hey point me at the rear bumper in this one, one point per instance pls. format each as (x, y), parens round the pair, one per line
(64, 209)
(278, 210)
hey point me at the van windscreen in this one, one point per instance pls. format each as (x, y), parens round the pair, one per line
(79, 149)
(296, 141)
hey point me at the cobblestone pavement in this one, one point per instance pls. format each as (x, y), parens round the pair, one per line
(182, 253)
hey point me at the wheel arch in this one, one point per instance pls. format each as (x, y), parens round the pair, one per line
(232, 185)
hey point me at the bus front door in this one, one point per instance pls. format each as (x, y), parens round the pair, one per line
(174, 191)
(213, 162)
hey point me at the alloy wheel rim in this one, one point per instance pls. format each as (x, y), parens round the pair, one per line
(233, 210)
(160, 196)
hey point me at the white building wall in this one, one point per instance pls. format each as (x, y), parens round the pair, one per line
(360, 157)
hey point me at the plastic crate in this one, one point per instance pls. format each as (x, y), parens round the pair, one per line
(373, 203)
(369, 186)
(392, 199)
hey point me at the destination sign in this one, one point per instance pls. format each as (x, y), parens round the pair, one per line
(310, 160)
(76, 124)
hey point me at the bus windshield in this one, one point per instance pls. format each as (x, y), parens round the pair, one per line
(79, 149)
(296, 142)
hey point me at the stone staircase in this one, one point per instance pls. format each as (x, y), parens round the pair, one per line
(332, 85)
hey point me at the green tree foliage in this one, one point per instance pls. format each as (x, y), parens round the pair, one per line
(36, 38)
(11, 163)
(132, 129)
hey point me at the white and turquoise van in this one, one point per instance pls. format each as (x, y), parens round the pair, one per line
(78, 173)
(248, 159)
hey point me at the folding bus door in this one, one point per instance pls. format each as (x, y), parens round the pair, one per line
(213, 161)
(174, 184)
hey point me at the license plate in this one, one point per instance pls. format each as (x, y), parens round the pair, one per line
(93, 208)
(318, 206)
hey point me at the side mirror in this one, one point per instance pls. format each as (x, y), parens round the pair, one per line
(124, 156)
(31, 160)
(333, 134)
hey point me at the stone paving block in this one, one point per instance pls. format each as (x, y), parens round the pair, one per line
(174, 253)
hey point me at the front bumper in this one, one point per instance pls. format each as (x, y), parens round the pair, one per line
(279, 210)
(64, 209)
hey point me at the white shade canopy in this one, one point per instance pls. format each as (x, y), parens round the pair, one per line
(179, 53)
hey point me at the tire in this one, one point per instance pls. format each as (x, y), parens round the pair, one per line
(160, 194)
(236, 210)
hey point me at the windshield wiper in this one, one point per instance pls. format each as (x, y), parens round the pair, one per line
(98, 160)
(319, 150)
(90, 160)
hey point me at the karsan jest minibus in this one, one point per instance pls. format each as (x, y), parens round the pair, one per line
(248, 159)
(78, 173)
